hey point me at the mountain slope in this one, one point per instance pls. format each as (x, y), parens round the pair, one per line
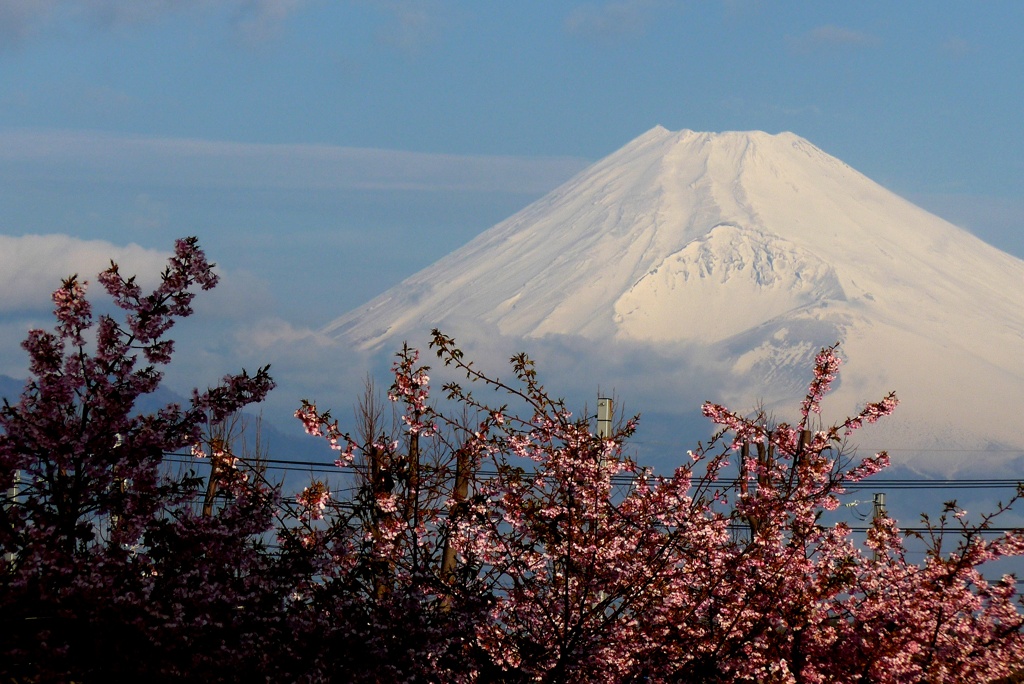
(760, 249)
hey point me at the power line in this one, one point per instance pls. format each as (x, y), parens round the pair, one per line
(286, 465)
(883, 483)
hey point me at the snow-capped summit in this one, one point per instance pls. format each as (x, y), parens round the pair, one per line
(760, 247)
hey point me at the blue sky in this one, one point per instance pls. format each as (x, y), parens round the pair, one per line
(323, 150)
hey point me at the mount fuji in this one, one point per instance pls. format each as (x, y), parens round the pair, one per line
(747, 252)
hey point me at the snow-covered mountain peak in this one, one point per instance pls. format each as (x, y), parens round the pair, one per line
(728, 269)
(585, 259)
(758, 249)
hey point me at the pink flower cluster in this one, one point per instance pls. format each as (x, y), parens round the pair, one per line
(323, 425)
(313, 500)
(412, 388)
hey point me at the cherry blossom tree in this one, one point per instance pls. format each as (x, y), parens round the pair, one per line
(476, 542)
(108, 572)
(720, 572)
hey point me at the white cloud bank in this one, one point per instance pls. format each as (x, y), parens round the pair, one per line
(32, 266)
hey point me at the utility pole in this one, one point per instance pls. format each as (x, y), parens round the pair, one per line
(460, 495)
(605, 413)
(604, 417)
(878, 512)
(12, 500)
(878, 506)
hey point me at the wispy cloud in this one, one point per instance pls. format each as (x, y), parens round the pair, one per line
(612, 21)
(956, 48)
(258, 21)
(20, 19)
(830, 37)
(186, 162)
(738, 8)
(413, 24)
(253, 20)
